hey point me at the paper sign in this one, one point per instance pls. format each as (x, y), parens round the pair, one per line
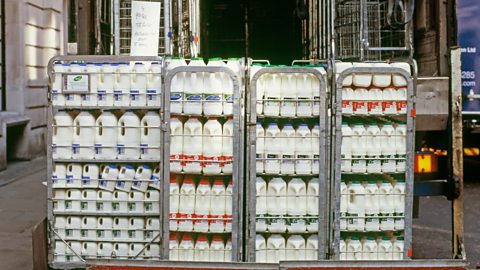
(145, 28)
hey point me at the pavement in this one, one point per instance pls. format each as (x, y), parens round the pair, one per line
(23, 204)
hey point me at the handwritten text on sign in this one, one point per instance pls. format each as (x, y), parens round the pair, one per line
(145, 28)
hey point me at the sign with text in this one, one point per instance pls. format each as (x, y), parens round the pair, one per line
(145, 28)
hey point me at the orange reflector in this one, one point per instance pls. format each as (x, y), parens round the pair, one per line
(471, 152)
(426, 163)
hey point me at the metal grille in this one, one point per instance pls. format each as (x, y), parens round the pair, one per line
(125, 27)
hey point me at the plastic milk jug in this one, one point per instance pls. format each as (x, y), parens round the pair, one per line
(359, 164)
(260, 88)
(304, 95)
(105, 85)
(375, 100)
(125, 178)
(203, 196)
(176, 145)
(62, 135)
(174, 199)
(277, 197)
(192, 140)
(104, 250)
(212, 146)
(344, 201)
(121, 250)
(89, 249)
(152, 251)
(194, 89)
(261, 204)
(154, 85)
(287, 142)
(273, 84)
(388, 145)
(297, 197)
(401, 146)
(385, 249)
(58, 99)
(120, 201)
(227, 147)
(398, 80)
(372, 207)
(354, 249)
(202, 249)
(311, 248)
(74, 99)
(228, 97)
(143, 176)
(381, 80)
(88, 203)
(276, 248)
(217, 249)
(348, 97)
(173, 248)
(150, 136)
(229, 198)
(155, 183)
(106, 136)
(213, 94)
(316, 149)
(313, 191)
(385, 191)
(356, 207)
(360, 105)
(108, 177)
(295, 248)
(218, 208)
(398, 194)
(177, 88)
(303, 150)
(398, 247)
(346, 148)
(186, 248)
(136, 228)
(315, 85)
(288, 94)
(343, 249)
(74, 176)
(59, 196)
(402, 100)
(135, 202)
(339, 68)
(121, 87)
(186, 206)
(373, 148)
(90, 98)
(104, 201)
(369, 249)
(138, 90)
(364, 79)
(134, 249)
(90, 175)
(72, 226)
(76, 248)
(83, 136)
(59, 175)
(128, 131)
(389, 101)
(228, 250)
(260, 148)
(272, 149)
(260, 249)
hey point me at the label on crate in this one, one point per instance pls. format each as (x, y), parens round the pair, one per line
(76, 83)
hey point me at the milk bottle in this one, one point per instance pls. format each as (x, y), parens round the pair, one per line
(386, 206)
(277, 197)
(150, 136)
(136, 228)
(354, 249)
(60, 250)
(260, 148)
(72, 226)
(397, 248)
(186, 206)
(173, 248)
(362, 80)
(120, 202)
(228, 250)
(260, 249)
(315, 85)
(203, 196)
(213, 94)
(276, 248)
(194, 89)
(346, 148)
(359, 164)
(121, 250)
(108, 177)
(74, 251)
(313, 191)
(369, 249)
(227, 147)
(152, 251)
(142, 177)
(304, 95)
(372, 204)
(343, 249)
(136, 202)
(58, 99)
(154, 86)
(59, 175)
(360, 105)
(178, 84)
(212, 146)
(348, 95)
(90, 176)
(74, 176)
(192, 137)
(128, 131)
(174, 199)
(374, 104)
(388, 148)
(186, 248)
(261, 204)
(373, 148)
(62, 136)
(287, 141)
(402, 100)
(235, 65)
(88, 203)
(228, 206)
(59, 196)
(398, 80)
(381, 80)
(260, 89)
(106, 136)
(316, 149)
(288, 95)
(155, 183)
(104, 250)
(125, 178)
(134, 250)
(104, 201)
(303, 150)
(105, 85)
(121, 86)
(138, 89)
(401, 146)
(272, 149)
(295, 248)
(83, 136)
(90, 99)
(176, 145)
(311, 248)
(218, 209)
(271, 105)
(72, 69)
(120, 227)
(202, 249)
(152, 226)
(297, 197)
(339, 68)
(217, 249)
(398, 194)
(356, 207)
(385, 249)
(389, 103)
(344, 196)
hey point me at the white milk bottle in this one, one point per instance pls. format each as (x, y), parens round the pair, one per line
(213, 95)
(194, 89)
(372, 207)
(260, 148)
(138, 89)
(88, 203)
(276, 248)
(236, 66)
(344, 196)
(260, 87)
(385, 249)
(354, 249)
(136, 228)
(374, 103)
(104, 250)
(121, 86)
(143, 176)
(83, 136)
(152, 227)
(74, 176)
(155, 183)
(192, 140)
(136, 202)
(59, 175)
(119, 225)
(186, 206)
(75, 248)
(296, 205)
(261, 204)
(152, 251)
(369, 249)
(356, 207)
(288, 95)
(177, 88)
(315, 85)
(106, 136)
(228, 206)
(89, 249)
(217, 249)
(402, 102)
(339, 68)
(120, 202)
(218, 209)
(174, 199)
(72, 227)
(343, 249)
(134, 249)
(227, 147)
(316, 149)
(128, 131)
(304, 95)
(108, 177)
(362, 79)
(277, 196)
(389, 101)
(359, 164)
(271, 105)
(173, 248)
(360, 105)
(176, 145)
(58, 199)
(381, 80)
(90, 99)
(90, 175)
(202, 249)
(272, 149)
(399, 80)
(386, 198)
(348, 97)
(295, 248)
(72, 200)
(303, 150)
(104, 201)
(203, 196)
(311, 248)
(58, 99)
(154, 85)
(121, 250)
(125, 178)
(388, 145)
(397, 249)
(212, 146)
(313, 192)
(74, 99)
(150, 136)
(346, 148)
(260, 249)
(287, 141)
(186, 248)
(373, 148)
(398, 194)
(228, 250)
(105, 85)
(62, 136)
(401, 146)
